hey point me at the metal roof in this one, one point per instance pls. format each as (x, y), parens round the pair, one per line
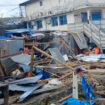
(27, 2)
(18, 30)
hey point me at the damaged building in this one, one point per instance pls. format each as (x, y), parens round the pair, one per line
(58, 14)
(80, 17)
(59, 59)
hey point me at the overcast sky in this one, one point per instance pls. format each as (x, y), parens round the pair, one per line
(10, 8)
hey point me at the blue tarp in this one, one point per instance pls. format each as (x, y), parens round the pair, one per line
(88, 91)
(73, 101)
(89, 95)
(37, 70)
(19, 31)
(26, 69)
(45, 75)
(3, 37)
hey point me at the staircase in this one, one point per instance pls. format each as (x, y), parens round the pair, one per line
(92, 31)
(96, 34)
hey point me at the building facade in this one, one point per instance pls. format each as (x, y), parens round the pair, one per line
(57, 14)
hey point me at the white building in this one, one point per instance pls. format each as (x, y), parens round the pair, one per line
(57, 14)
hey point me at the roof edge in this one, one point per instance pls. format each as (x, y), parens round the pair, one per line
(27, 2)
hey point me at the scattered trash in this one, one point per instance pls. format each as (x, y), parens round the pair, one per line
(46, 67)
(27, 80)
(92, 58)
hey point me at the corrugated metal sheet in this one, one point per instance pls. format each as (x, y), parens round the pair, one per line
(39, 91)
(80, 40)
(14, 87)
(13, 46)
(27, 80)
(28, 93)
(22, 59)
(56, 53)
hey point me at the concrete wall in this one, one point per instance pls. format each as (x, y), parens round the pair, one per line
(103, 13)
(46, 26)
(33, 8)
(96, 1)
(77, 14)
(72, 17)
(80, 2)
(47, 4)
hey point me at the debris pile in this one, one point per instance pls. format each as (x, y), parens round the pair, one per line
(51, 68)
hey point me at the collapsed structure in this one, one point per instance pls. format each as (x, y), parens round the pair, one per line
(60, 63)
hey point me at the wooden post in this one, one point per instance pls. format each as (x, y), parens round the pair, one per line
(32, 61)
(49, 56)
(2, 52)
(75, 86)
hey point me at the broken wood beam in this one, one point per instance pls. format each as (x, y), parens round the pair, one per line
(11, 55)
(65, 76)
(95, 71)
(32, 61)
(52, 74)
(44, 81)
(63, 99)
(49, 56)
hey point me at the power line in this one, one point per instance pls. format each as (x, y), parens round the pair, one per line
(14, 9)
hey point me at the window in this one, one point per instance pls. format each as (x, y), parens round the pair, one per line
(84, 17)
(30, 25)
(54, 21)
(63, 19)
(39, 24)
(41, 3)
(96, 16)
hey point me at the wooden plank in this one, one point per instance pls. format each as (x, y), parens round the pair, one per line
(32, 61)
(65, 98)
(66, 76)
(46, 54)
(1, 71)
(11, 55)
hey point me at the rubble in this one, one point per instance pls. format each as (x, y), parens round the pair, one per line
(49, 72)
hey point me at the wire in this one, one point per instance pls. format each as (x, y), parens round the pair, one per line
(14, 9)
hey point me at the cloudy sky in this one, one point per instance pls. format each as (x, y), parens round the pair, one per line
(10, 8)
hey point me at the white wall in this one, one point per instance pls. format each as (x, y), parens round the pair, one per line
(35, 7)
(51, 4)
(103, 13)
(96, 1)
(70, 19)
